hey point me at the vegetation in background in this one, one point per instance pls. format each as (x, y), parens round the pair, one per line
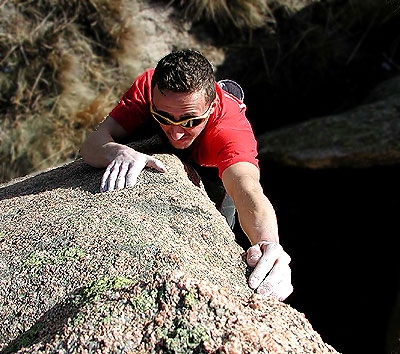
(59, 76)
(241, 14)
(64, 64)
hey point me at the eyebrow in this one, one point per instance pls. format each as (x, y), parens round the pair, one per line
(168, 115)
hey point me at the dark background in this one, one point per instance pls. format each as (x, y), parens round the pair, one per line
(340, 227)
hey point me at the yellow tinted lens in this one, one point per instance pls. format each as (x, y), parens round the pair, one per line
(192, 123)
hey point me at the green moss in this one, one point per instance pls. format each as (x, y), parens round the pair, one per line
(145, 301)
(35, 259)
(69, 254)
(78, 319)
(107, 319)
(190, 299)
(25, 340)
(182, 337)
(40, 258)
(95, 289)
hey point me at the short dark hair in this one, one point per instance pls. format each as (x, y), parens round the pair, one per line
(185, 70)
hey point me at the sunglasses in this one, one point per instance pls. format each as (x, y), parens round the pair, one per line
(184, 123)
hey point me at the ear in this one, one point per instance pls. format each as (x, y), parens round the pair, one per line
(213, 105)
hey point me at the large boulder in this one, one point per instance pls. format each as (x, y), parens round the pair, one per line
(367, 135)
(153, 268)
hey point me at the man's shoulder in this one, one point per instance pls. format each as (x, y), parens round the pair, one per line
(229, 103)
(145, 76)
(232, 87)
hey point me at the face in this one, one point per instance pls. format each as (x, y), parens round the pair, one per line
(178, 106)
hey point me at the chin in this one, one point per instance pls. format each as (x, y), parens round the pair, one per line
(181, 144)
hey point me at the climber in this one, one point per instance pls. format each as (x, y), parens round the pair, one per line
(205, 122)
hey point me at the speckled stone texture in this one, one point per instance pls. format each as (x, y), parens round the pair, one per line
(149, 269)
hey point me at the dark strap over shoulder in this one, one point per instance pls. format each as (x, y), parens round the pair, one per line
(232, 87)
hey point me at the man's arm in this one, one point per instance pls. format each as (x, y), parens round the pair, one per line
(272, 274)
(123, 162)
(256, 214)
(100, 148)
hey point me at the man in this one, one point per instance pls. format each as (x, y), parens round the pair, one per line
(200, 119)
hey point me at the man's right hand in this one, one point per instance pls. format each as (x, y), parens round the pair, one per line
(124, 169)
(101, 147)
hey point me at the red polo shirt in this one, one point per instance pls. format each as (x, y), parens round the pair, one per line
(228, 137)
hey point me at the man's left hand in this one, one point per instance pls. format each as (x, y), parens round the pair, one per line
(272, 274)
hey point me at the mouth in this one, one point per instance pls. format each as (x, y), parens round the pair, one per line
(183, 142)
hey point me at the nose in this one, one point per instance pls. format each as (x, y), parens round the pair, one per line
(176, 132)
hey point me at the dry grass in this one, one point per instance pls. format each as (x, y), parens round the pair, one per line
(59, 78)
(242, 14)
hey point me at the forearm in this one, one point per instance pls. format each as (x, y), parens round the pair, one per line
(256, 214)
(98, 150)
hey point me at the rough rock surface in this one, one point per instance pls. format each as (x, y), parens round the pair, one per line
(149, 269)
(365, 136)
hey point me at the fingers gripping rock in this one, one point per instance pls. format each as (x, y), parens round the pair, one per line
(156, 164)
(271, 275)
(253, 255)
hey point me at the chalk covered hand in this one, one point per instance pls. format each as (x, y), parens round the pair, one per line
(272, 274)
(125, 168)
